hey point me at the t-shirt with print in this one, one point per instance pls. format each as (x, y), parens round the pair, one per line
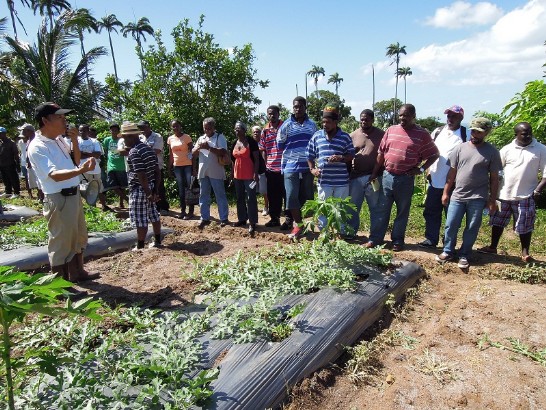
(180, 149)
(474, 163)
(114, 162)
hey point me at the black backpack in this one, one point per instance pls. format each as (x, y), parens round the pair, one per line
(438, 130)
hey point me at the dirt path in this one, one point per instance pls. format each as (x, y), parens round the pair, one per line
(440, 366)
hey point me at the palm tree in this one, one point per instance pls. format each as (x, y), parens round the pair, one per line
(138, 31)
(393, 51)
(109, 23)
(336, 80)
(14, 16)
(50, 8)
(44, 67)
(316, 72)
(82, 20)
(404, 72)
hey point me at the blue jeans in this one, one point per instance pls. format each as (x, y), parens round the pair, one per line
(246, 196)
(473, 209)
(299, 188)
(325, 191)
(397, 189)
(219, 189)
(433, 214)
(183, 180)
(358, 190)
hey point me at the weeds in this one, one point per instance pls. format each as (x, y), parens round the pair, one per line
(533, 273)
(432, 365)
(515, 346)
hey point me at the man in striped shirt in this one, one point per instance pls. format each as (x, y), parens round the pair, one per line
(328, 153)
(402, 151)
(293, 138)
(273, 156)
(144, 178)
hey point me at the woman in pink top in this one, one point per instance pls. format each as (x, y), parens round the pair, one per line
(180, 163)
(245, 153)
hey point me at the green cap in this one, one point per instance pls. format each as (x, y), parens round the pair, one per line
(481, 124)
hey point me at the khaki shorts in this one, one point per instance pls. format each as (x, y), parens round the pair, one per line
(32, 180)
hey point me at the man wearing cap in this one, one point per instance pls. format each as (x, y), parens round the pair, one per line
(116, 175)
(328, 152)
(366, 140)
(406, 150)
(446, 139)
(59, 178)
(155, 142)
(144, 177)
(522, 160)
(292, 138)
(9, 165)
(474, 171)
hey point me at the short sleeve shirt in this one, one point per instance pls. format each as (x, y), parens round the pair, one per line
(268, 143)
(366, 146)
(114, 162)
(89, 146)
(208, 161)
(155, 142)
(180, 149)
(474, 164)
(141, 158)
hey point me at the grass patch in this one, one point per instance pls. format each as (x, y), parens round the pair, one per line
(433, 365)
(533, 273)
(515, 346)
(34, 231)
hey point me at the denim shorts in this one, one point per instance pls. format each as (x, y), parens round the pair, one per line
(299, 188)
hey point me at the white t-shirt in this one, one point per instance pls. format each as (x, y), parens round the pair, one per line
(208, 162)
(446, 141)
(521, 167)
(155, 141)
(89, 146)
(22, 145)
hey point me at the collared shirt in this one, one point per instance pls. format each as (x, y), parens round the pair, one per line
(321, 147)
(293, 139)
(446, 141)
(268, 143)
(405, 149)
(208, 161)
(155, 142)
(366, 146)
(141, 158)
(521, 167)
(47, 155)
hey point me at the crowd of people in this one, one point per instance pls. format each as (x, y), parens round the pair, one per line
(282, 162)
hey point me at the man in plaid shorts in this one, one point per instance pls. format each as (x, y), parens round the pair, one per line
(523, 159)
(144, 178)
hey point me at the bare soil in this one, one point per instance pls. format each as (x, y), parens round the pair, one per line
(444, 367)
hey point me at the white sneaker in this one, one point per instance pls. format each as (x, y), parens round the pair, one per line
(463, 263)
(265, 212)
(14, 196)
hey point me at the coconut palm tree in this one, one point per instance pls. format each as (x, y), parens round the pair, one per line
(138, 31)
(14, 16)
(316, 72)
(336, 80)
(82, 20)
(50, 8)
(44, 67)
(109, 23)
(393, 51)
(404, 72)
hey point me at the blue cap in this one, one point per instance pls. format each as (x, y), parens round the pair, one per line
(2, 129)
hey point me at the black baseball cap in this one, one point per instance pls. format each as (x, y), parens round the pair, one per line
(143, 124)
(48, 108)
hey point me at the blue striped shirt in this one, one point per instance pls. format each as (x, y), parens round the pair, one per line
(320, 148)
(293, 138)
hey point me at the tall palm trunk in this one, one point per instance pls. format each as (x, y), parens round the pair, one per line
(113, 57)
(395, 94)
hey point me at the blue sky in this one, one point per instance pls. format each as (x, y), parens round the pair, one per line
(475, 54)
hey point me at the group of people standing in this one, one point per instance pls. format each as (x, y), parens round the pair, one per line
(282, 161)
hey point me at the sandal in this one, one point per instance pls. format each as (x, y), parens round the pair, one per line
(487, 249)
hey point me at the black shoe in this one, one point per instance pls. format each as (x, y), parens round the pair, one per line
(203, 223)
(252, 229)
(286, 226)
(239, 223)
(224, 223)
(427, 243)
(272, 223)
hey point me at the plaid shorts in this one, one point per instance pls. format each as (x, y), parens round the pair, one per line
(141, 211)
(524, 212)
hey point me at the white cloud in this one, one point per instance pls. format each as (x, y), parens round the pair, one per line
(512, 50)
(462, 14)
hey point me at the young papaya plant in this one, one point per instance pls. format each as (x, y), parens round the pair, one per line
(330, 215)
